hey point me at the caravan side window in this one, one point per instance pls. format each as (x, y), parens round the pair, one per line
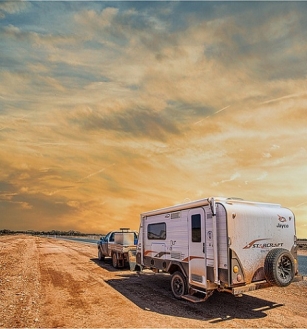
(156, 231)
(196, 228)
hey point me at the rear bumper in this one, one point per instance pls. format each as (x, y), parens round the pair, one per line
(250, 287)
(257, 285)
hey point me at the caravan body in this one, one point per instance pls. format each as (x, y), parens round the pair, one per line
(219, 244)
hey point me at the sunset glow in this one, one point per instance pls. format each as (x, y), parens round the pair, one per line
(110, 109)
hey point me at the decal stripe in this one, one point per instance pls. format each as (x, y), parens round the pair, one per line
(187, 259)
(249, 245)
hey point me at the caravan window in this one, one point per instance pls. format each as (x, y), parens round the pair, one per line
(156, 231)
(196, 228)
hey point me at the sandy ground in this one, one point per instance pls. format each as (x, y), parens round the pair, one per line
(52, 283)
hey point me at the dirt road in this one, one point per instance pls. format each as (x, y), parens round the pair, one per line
(48, 283)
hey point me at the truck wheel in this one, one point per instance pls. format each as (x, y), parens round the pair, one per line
(100, 255)
(179, 285)
(114, 260)
(279, 267)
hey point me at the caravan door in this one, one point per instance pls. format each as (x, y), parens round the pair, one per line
(197, 247)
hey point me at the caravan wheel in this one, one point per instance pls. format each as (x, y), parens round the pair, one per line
(179, 285)
(279, 267)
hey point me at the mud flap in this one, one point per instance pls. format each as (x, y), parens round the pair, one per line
(132, 260)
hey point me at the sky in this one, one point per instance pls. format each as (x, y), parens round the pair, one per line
(111, 109)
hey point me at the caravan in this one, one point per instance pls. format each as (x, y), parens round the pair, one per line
(223, 244)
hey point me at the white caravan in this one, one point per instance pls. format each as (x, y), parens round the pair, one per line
(223, 244)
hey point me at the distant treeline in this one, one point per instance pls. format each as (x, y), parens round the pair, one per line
(302, 243)
(53, 232)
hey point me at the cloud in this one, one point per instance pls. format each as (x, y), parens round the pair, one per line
(13, 7)
(91, 19)
(260, 42)
(138, 122)
(35, 202)
(262, 176)
(266, 155)
(108, 109)
(232, 178)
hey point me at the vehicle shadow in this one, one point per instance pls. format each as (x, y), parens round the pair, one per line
(151, 291)
(106, 264)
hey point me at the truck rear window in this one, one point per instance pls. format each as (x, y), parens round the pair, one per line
(156, 231)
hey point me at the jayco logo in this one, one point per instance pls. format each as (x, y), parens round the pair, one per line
(282, 225)
(282, 220)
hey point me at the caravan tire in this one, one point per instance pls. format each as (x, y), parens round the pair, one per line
(279, 267)
(179, 285)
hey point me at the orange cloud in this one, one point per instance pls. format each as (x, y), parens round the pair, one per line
(109, 111)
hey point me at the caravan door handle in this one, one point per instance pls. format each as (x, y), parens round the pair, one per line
(204, 247)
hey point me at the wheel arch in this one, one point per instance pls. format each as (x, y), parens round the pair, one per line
(177, 267)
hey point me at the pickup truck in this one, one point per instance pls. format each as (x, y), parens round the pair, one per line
(120, 246)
